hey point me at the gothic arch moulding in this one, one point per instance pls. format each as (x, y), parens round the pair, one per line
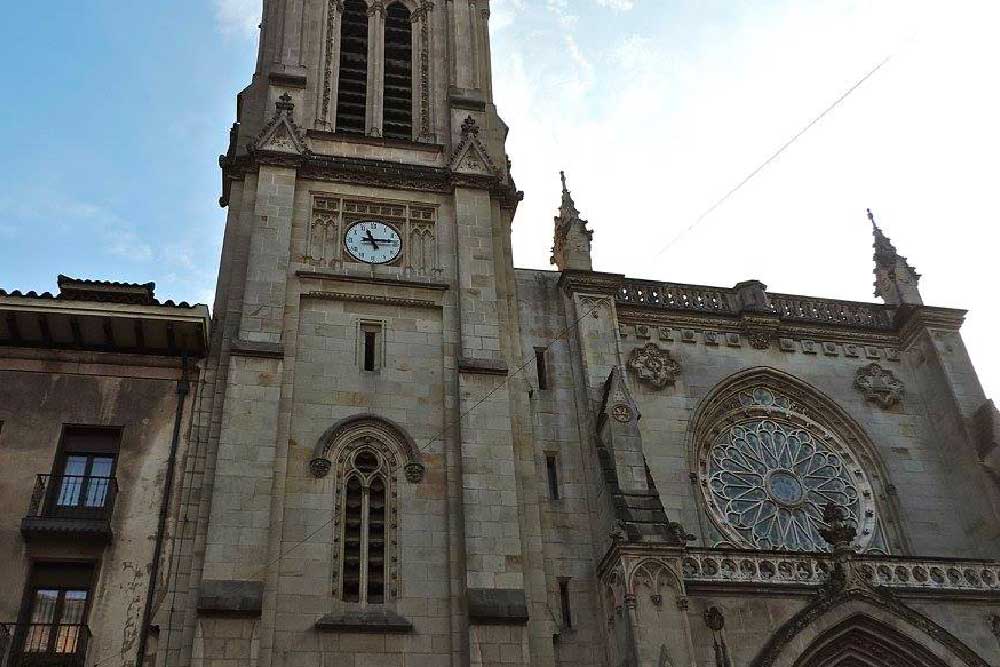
(360, 430)
(770, 451)
(863, 629)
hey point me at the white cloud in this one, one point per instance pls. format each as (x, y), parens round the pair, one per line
(617, 5)
(238, 17)
(655, 126)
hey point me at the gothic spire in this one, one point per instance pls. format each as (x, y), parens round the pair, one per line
(571, 250)
(896, 282)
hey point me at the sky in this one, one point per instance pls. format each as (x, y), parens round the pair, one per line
(656, 109)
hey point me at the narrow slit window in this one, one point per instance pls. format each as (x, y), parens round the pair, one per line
(542, 368)
(352, 92)
(552, 472)
(369, 350)
(564, 600)
(371, 346)
(397, 105)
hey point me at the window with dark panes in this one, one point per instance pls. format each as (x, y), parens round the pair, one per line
(54, 619)
(84, 471)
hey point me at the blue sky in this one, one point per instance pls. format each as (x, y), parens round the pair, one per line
(656, 108)
(117, 115)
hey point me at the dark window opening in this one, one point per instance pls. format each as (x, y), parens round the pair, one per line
(397, 104)
(552, 470)
(54, 616)
(83, 476)
(370, 345)
(567, 612)
(542, 368)
(352, 92)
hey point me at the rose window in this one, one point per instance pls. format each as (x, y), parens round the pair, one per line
(770, 472)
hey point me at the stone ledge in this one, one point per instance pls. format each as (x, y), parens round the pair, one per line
(482, 366)
(375, 622)
(494, 606)
(247, 348)
(231, 598)
(320, 274)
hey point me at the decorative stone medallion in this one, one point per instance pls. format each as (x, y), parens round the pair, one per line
(622, 413)
(320, 468)
(880, 385)
(654, 367)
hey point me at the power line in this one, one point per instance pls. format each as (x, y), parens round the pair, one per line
(711, 209)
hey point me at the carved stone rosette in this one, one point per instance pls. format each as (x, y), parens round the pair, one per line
(879, 385)
(654, 367)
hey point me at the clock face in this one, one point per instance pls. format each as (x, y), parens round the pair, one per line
(373, 242)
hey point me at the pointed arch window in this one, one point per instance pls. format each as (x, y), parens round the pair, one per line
(364, 528)
(397, 109)
(352, 93)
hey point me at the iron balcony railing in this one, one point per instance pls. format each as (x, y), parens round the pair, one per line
(73, 496)
(43, 645)
(71, 505)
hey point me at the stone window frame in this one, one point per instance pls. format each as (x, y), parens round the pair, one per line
(720, 408)
(379, 327)
(415, 222)
(422, 69)
(335, 451)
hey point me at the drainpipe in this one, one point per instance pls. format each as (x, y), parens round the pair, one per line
(183, 388)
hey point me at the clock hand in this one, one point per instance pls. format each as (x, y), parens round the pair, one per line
(371, 239)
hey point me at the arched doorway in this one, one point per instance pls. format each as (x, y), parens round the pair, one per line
(862, 641)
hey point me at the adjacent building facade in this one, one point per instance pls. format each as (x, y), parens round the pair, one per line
(97, 385)
(403, 451)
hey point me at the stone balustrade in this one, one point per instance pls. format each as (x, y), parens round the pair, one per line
(717, 566)
(726, 301)
(828, 311)
(679, 297)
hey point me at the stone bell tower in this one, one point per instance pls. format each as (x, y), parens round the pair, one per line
(365, 325)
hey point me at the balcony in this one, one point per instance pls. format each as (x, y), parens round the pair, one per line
(42, 645)
(71, 506)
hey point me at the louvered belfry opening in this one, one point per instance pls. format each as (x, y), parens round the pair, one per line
(397, 109)
(352, 95)
(376, 542)
(352, 541)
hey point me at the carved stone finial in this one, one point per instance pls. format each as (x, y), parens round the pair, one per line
(285, 103)
(714, 619)
(469, 126)
(654, 367)
(879, 385)
(839, 531)
(896, 282)
(571, 250)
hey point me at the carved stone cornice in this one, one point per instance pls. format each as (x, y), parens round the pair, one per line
(591, 282)
(372, 173)
(713, 322)
(372, 298)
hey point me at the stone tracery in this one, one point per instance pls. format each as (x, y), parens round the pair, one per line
(768, 464)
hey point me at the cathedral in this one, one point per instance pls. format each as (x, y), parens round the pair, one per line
(387, 446)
